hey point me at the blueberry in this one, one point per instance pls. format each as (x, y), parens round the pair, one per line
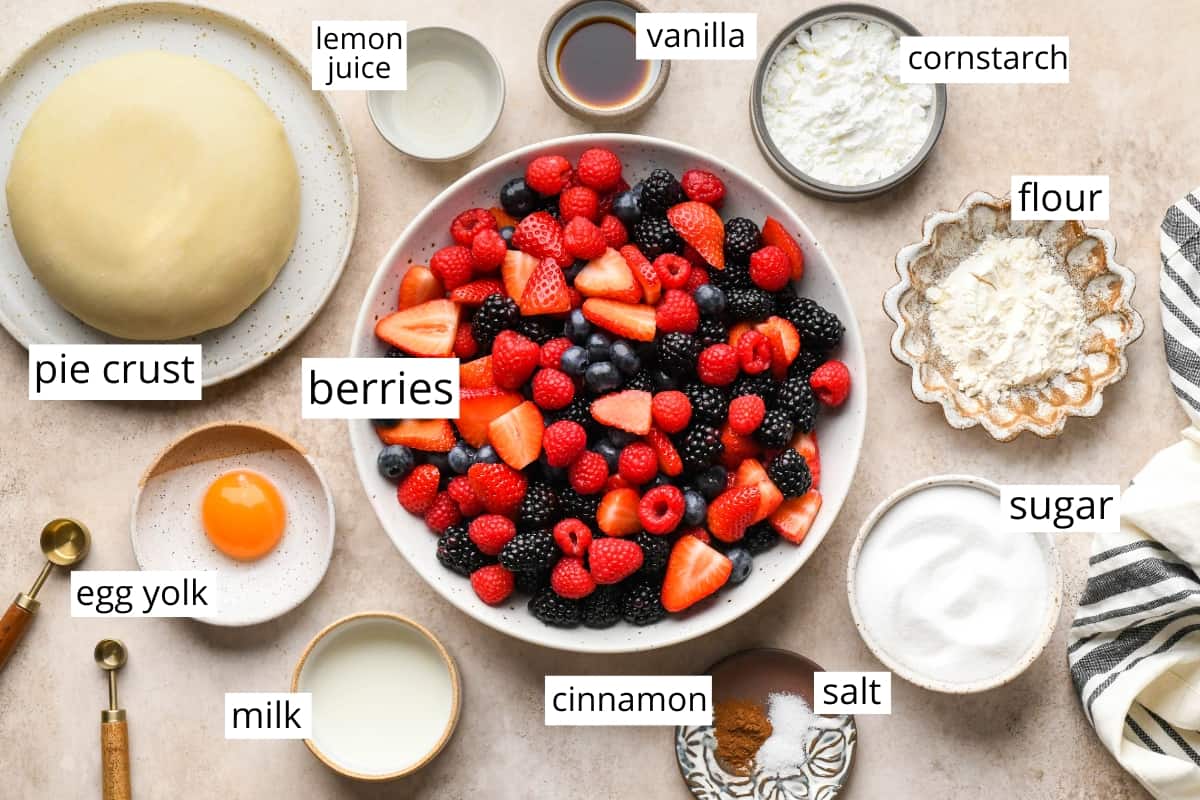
(659, 480)
(577, 327)
(506, 234)
(395, 461)
(622, 355)
(598, 347)
(627, 207)
(461, 457)
(710, 299)
(662, 381)
(383, 423)
(517, 199)
(742, 563)
(551, 474)
(619, 437)
(574, 361)
(711, 482)
(487, 455)
(610, 452)
(695, 509)
(439, 460)
(602, 377)
(570, 273)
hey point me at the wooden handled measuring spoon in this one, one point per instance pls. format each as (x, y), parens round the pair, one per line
(110, 655)
(65, 543)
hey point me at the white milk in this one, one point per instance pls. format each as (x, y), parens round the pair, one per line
(944, 593)
(382, 696)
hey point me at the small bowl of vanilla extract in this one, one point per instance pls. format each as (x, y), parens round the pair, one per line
(587, 61)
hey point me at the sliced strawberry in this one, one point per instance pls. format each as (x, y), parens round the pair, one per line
(751, 473)
(669, 462)
(785, 344)
(628, 410)
(793, 519)
(731, 512)
(427, 329)
(546, 292)
(476, 374)
(474, 293)
(735, 333)
(737, 447)
(503, 220)
(617, 514)
(516, 270)
(806, 445)
(774, 233)
(644, 271)
(478, 407)
(609, 276)
(629, 320)
(701, 227)
(430, 435)
(540, 235)
(694, 571)
(517, 435)
(417, 286)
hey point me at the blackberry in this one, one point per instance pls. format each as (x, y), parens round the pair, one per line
(581, 506)
(750, 304)
(759, 538)
(642, 604)
(456, 551)
(655, 552)
(677, 353)
(796, 398)
(602, 608)
(642, 380)
(784, 297)
(805, 364)
(530, 551)
(741, 239)
(531, 582)
(700, 445)
(537, 329)
(655, 236)
(820, 330)
(539, 509)
(496, 314)
(578, 410)
(711, 331)
(775, 431)
(554, 610)
(789, 471)
(710, 404)
(734, 276)
(762, 385)
(660, 191)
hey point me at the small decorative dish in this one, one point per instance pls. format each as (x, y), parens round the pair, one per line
(1085, 258)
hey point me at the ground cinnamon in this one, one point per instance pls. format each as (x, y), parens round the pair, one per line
(741, 727)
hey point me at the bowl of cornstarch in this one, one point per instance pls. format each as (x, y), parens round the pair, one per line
(829, 110)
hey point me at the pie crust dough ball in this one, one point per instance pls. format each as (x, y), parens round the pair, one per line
(154, 196)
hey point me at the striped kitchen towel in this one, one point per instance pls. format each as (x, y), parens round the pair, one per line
(1134, 647)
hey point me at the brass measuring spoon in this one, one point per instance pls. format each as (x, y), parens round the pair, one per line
(110, 655)
(65, 543)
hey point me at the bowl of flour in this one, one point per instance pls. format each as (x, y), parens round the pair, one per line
(829, 110)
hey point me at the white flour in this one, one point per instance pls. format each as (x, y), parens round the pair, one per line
(1007, 318)
(834, 106)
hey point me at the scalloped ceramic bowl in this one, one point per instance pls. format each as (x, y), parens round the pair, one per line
(1087, 259)
(840, 432)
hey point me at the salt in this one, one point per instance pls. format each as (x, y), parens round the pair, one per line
(786, 748)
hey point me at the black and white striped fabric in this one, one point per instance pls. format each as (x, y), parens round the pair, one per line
(1134, 647)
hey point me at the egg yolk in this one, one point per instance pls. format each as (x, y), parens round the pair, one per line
(243, 515)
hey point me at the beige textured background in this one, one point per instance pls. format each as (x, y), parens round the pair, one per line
(1125, 113)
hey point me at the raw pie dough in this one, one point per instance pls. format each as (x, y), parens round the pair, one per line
(154, 196)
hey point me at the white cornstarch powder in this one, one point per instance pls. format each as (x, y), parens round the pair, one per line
(1007, 318)
(834, 105)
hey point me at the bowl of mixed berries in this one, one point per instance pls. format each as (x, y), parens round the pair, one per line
(650, 345)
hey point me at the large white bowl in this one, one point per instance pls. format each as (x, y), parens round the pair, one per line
(840, 433)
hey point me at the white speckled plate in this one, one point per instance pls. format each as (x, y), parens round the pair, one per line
(167, 532)
(328, 179)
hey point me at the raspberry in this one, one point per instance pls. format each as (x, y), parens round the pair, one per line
(613, 560)
(452, 265)
(831, 383)
(770, 268)
(552, 352)
(746, 414)
(615, 235)
(501, 487)
(582, 239)
(547, 175)
(578, 201)
(491, 532)
(703, 186)
(468, 502)
(754, 352)
(717, 365)
(514, 358)
(672, 411)
(588, 472)
(673, 270)
(573, 536)
(677, 313)
(442, 513)
(553, 389)
(493, 584)
(563, 441)
(661, 509)
(416, 494)
(570, 579)
(599, 169)
(467, 225)
(465, 345)
(638, 463)
(699, 277)
(487, 250)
